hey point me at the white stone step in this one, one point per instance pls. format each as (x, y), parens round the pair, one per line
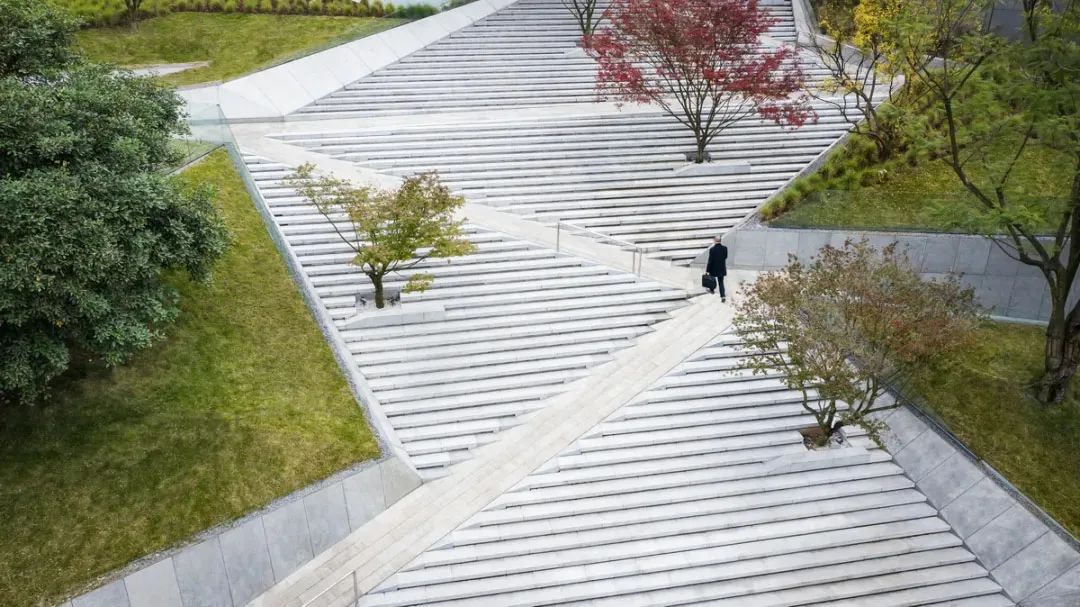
(538, 292)
(813, 586)
(552, 476)
(717, 528)
(492, 282)
(464, 274)
(454, 443)
(571, 461)
(677, 508)
(661, 409)
(538, 141)
(395, 347)
(462, 362)
(528, 346)
(415, 434)
(879, 558)
(449, 416)
(654, 555)
(648, 301)
(745, 473)
(449, 404)
(659, 426)
(510, 320)
(534, 378)
(459, 379)
(516, 283)
(658, 496)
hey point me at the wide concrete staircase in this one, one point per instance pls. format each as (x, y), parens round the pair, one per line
(615, 175)
(700, 491)
(520, 323)
(523, 55)
(610, 174)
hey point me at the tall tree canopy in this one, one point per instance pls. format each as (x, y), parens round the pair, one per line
(991, 100)
(89, 219)
(701, 61)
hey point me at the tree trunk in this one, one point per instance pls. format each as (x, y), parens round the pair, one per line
(700, 157)
(380, 294)
(133, 13)
(1062, 357)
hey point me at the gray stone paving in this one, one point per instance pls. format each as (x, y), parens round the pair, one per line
(1032, 559)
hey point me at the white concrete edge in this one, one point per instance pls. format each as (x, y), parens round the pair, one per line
(273, 93)
(983, 472)
(155, 576)
(805, 20)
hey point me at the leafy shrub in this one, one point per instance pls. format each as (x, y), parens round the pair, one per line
(89, 222)
(97, 13)
(414, 11)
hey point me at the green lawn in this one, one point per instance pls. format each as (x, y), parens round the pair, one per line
(234, 44)
(914, 197)
(241, 404)
(981, 395)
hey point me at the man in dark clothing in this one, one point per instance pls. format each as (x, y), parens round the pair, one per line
(717, 266)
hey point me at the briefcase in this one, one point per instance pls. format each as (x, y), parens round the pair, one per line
(708, 282)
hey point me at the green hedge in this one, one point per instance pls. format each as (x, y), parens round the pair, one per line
(112, 12)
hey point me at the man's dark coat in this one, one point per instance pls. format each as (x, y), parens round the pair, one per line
(717, 265)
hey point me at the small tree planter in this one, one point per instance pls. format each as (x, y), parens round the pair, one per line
(817, 460)
(698, 169)
(812, 434)
(396, 312)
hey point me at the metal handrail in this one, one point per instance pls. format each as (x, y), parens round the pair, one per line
(637, 253)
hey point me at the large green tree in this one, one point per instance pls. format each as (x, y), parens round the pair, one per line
(89, 218)
(992, 100)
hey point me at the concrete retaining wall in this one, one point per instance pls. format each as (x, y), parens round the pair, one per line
(279, 91)
(1029, 555)
(230, 565)
(1003, 286)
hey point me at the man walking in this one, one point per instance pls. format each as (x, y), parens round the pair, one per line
(717, 266)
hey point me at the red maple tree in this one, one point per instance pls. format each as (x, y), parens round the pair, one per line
(699, 60)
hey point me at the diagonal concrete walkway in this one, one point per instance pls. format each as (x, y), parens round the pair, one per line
(400, 534)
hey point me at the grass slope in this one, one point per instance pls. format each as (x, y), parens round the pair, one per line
(241, 404)
(919, 197)
(981, 395)
(234, 44)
